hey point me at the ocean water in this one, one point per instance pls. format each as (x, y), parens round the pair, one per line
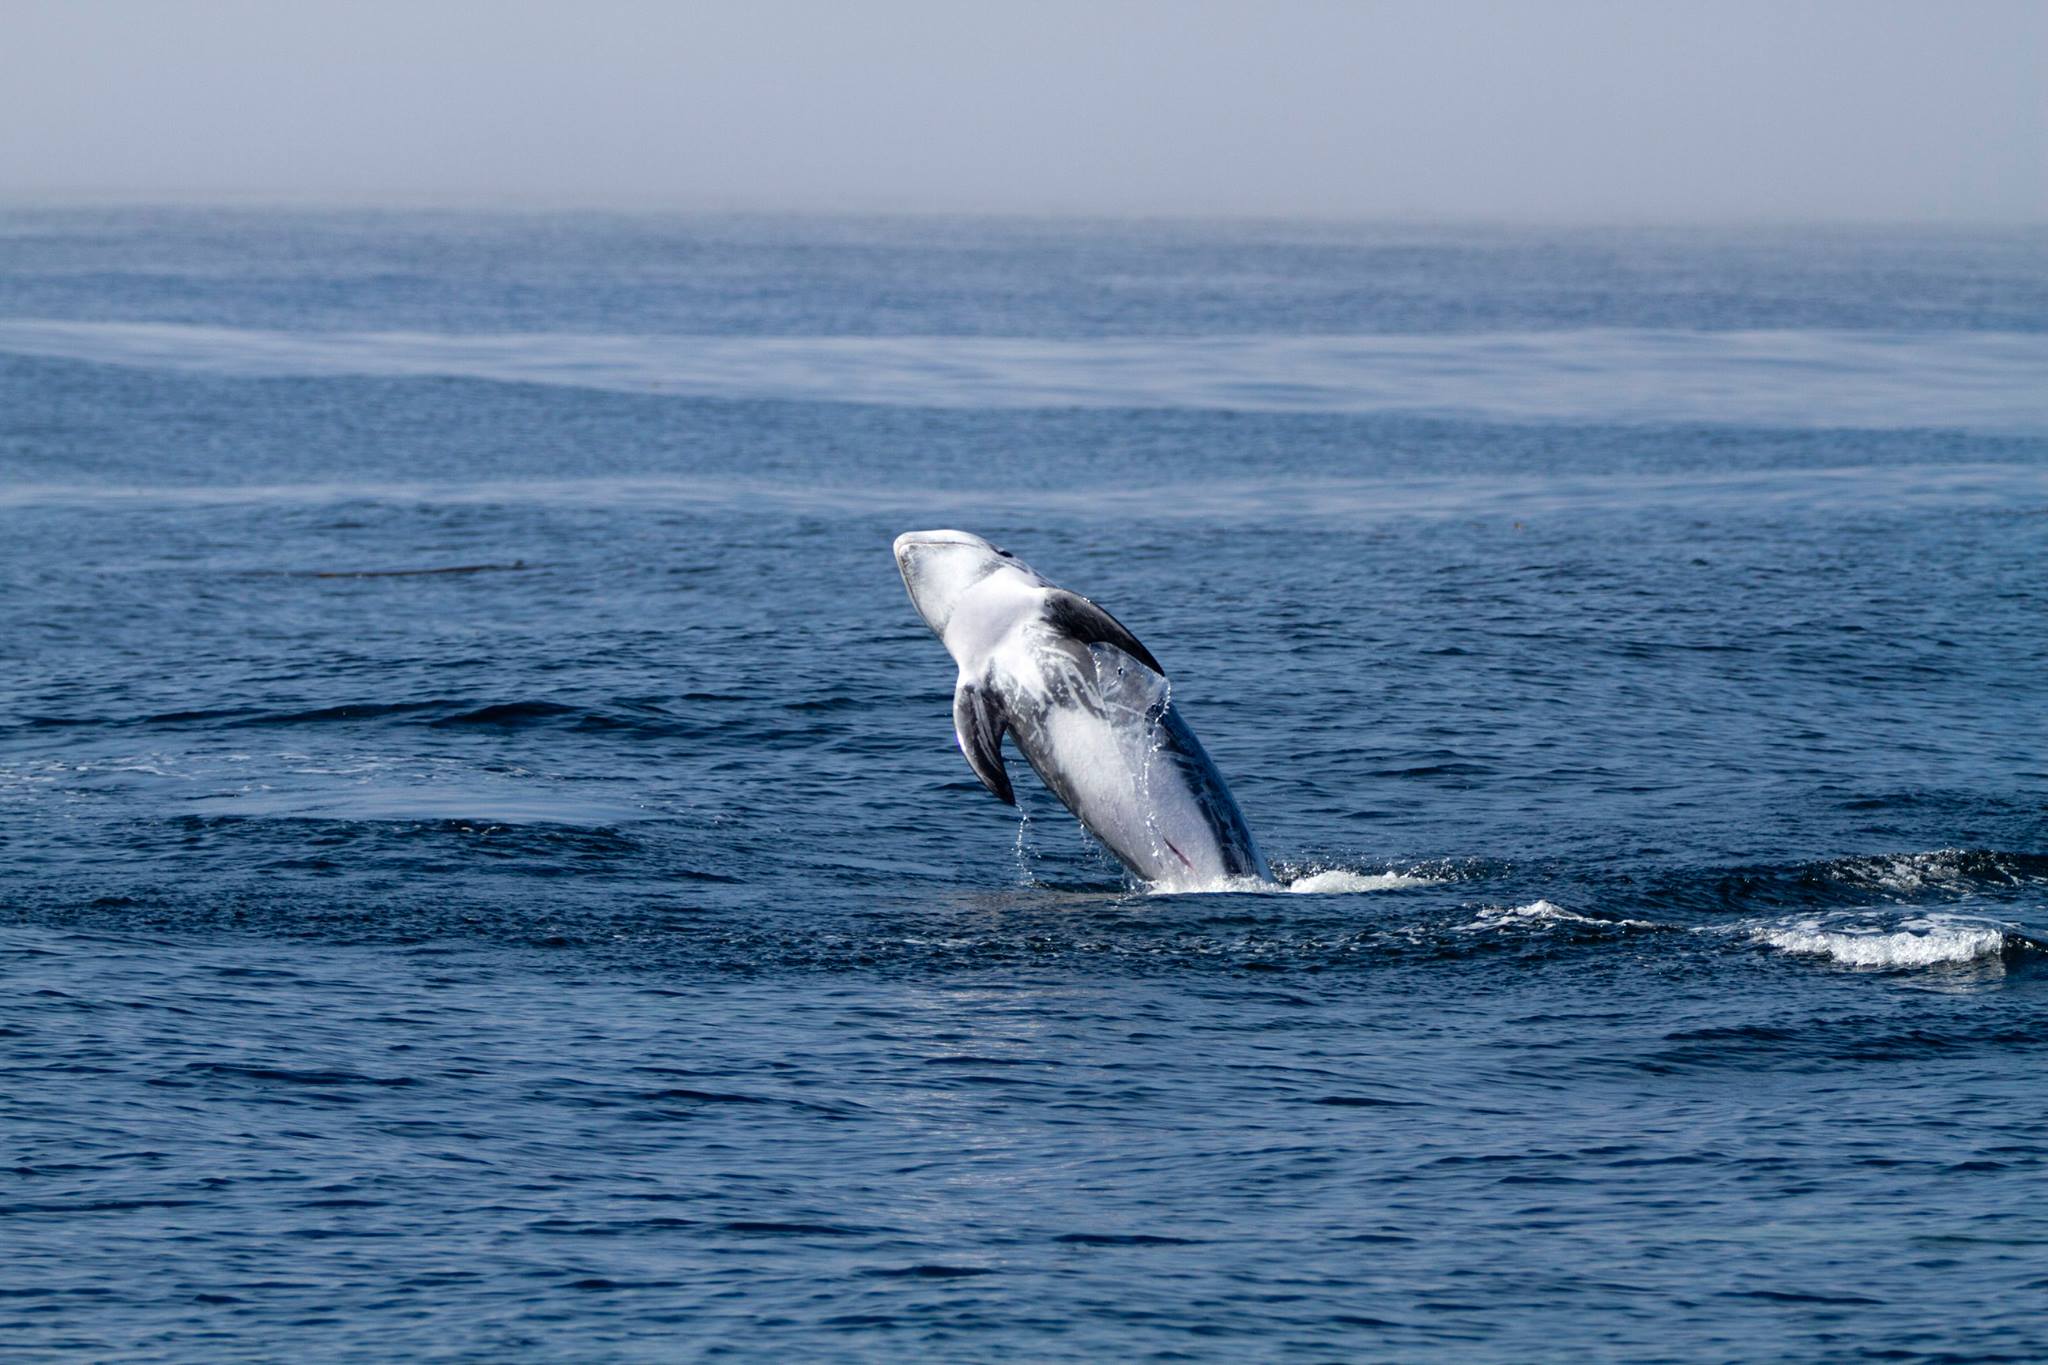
(485, 871)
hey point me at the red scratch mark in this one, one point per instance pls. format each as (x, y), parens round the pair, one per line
(1178, 854)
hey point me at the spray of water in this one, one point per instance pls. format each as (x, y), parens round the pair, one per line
(1023, 849)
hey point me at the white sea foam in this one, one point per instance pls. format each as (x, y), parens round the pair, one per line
(1985, 381)
(1343, 881)
(1927, 942)
(1336, 881)
(1535, 912)
(1542, 912)
(1907, 873)
(1221, 886)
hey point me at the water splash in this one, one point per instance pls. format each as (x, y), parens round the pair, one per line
(1340, 881)
(1022, 848)
(1927, 941)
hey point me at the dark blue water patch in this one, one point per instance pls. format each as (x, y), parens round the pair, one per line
(1360, 1102)
(631, 718)
(1122, 1239)
(510, 714)
(514, 567)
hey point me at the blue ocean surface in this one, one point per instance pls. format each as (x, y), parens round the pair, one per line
(486, 872)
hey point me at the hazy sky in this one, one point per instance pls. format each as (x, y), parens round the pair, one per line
(1550, 109)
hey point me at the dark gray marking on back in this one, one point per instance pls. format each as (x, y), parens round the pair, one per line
(1077, 617)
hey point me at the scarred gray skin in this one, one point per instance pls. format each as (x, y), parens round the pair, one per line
(1086, 704)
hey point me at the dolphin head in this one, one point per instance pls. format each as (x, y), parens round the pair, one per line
(938, 568)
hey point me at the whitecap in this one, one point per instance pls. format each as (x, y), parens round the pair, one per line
(1541, 912)
(1928, 942)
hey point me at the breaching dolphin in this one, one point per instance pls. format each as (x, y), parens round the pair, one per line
(1088, 706)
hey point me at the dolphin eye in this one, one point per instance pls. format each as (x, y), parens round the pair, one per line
(1006, 554)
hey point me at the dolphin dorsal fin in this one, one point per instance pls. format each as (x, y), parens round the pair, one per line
(980, 720)
(1076, 616)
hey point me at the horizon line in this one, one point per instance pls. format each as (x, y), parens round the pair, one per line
(514, 205)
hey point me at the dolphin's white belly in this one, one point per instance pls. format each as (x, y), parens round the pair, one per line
(1099, 729)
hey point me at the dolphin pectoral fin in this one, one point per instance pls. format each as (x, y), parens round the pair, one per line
(1081, 619)
(979, 720)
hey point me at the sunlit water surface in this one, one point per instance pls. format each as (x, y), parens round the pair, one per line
(485, 870)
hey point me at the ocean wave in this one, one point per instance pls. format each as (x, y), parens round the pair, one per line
(1942, 869)
(442, 713)
(1853, 882)
(1931, 941)
(1979, 381)
(1544, 913)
